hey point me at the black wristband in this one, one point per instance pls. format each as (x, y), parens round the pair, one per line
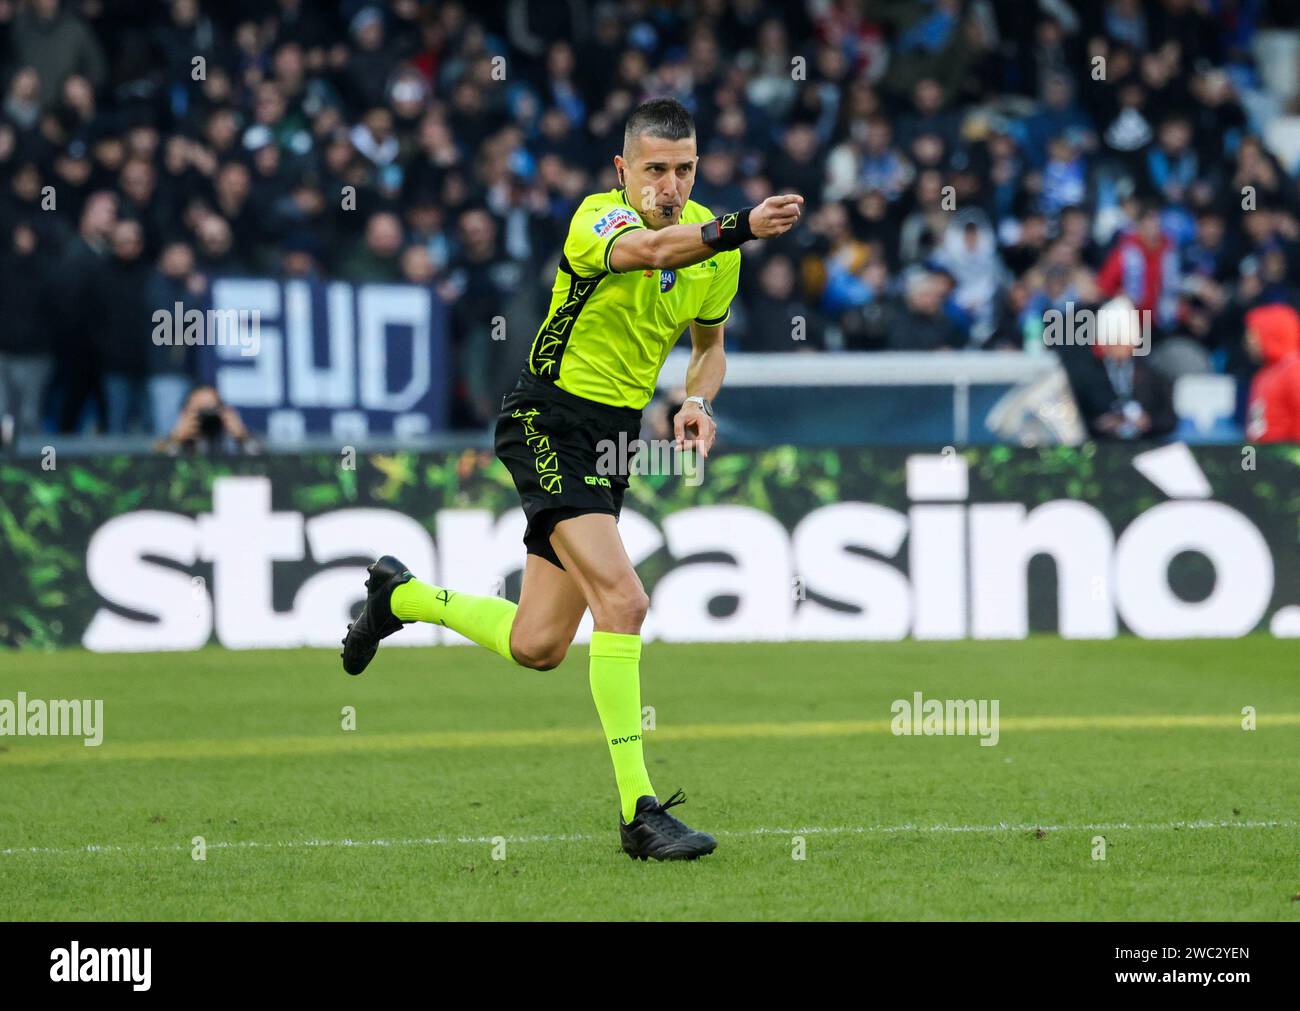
(728, 231)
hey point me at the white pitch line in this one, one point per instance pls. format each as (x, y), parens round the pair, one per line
(1171, 826)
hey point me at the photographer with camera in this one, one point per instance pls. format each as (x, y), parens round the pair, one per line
(207, 425)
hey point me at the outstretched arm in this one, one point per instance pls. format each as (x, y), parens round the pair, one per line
(683, 245)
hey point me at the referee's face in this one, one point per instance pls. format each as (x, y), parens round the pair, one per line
(658, 175)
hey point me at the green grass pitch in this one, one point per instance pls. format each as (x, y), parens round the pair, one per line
(1138, 742)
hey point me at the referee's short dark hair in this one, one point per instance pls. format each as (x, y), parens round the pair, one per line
(660, 117)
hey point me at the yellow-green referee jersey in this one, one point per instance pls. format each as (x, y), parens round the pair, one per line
(607, 334)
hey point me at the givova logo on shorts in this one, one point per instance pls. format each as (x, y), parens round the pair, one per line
(545, 458)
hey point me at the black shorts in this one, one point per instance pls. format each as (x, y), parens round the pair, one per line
(557, 449)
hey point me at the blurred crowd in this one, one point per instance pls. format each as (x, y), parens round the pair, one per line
(968, 166)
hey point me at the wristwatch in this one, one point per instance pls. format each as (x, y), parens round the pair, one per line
(705, 406)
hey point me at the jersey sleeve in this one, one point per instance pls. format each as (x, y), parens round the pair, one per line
(592, 233)
(717, 303)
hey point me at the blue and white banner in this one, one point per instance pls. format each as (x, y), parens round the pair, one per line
(332, 358)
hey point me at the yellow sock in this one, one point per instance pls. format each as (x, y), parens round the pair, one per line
(484, 620)
(616, 687)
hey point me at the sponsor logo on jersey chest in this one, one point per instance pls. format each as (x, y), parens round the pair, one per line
(613, 221)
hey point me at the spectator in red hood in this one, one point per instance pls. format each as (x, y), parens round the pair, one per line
(1273, 338)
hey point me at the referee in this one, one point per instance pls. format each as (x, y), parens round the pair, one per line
(640, 264)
